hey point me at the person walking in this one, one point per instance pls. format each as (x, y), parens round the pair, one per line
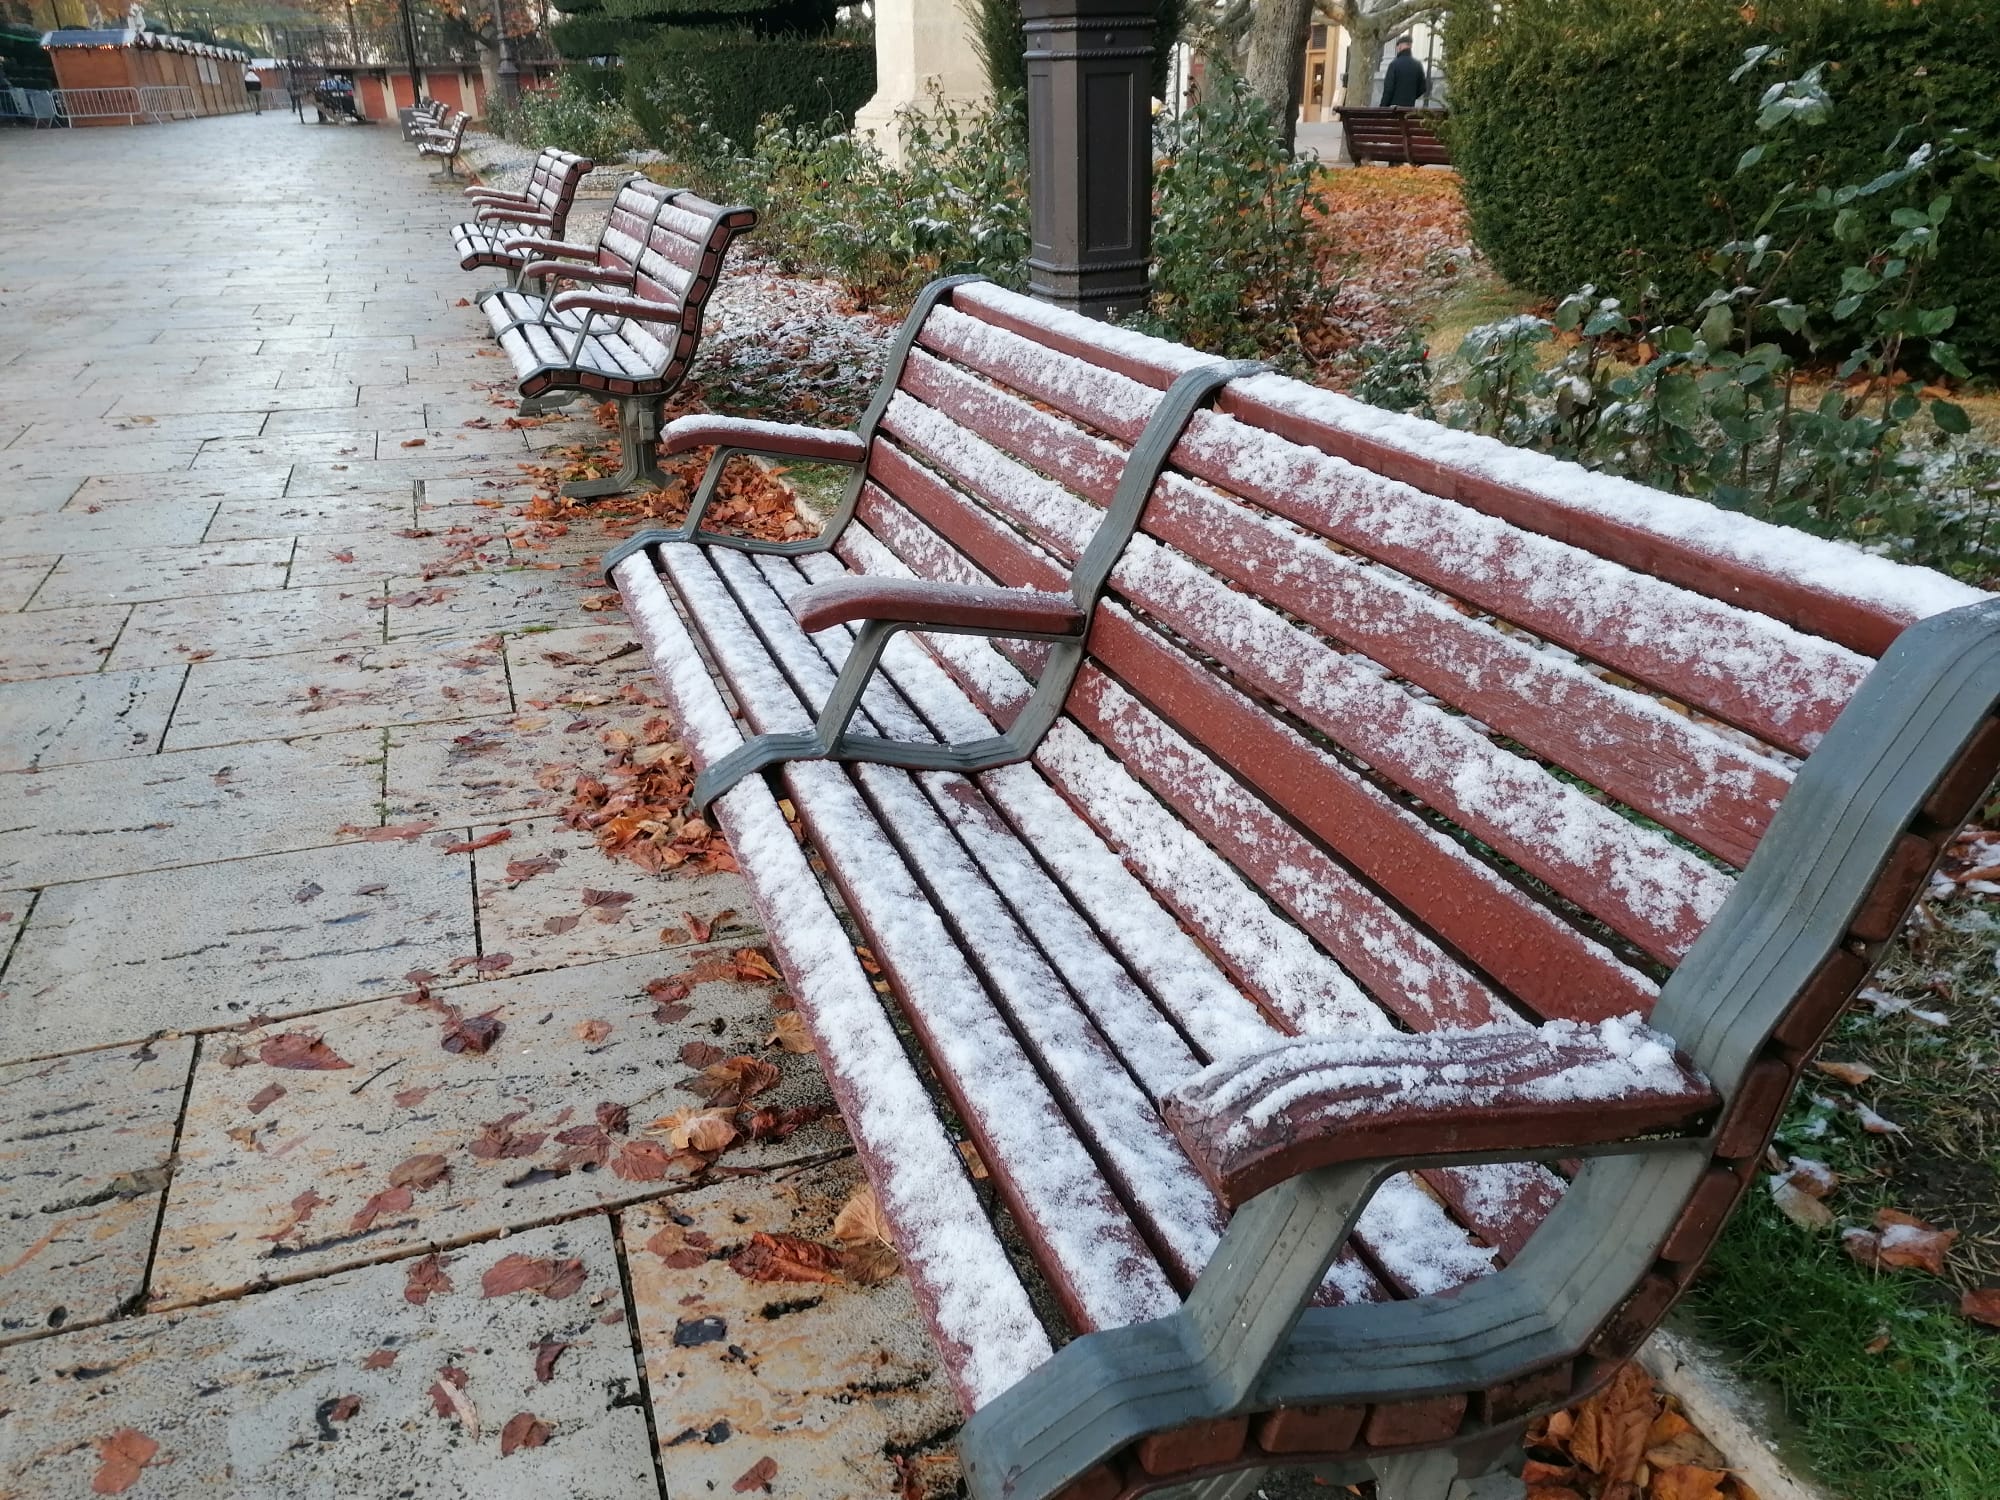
(1405, 82)
(253, 85)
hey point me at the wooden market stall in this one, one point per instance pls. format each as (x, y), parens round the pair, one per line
(128, 76)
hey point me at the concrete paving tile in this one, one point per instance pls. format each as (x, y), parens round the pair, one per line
(186, 807)
(570, 1041)
(309, 515)
(119, 526)
(107, 961)
(583, 667)
(320, 692)
(167, 573)
(509, 489)
(139, 427)
(58, 642)
(57, 721)
(21, 576)
(515, 599)
(497, 441)
(266, 483)
(825, 1379)
(372, 418)
(330, 1389)
(84, 1145)
(225, 626)
(134, 458)
(617, 908)
(33, 497)
(299, 447)
(443, 551)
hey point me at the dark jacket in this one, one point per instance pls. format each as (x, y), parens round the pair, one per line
(1405, 83)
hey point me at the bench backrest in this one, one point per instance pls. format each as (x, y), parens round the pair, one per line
(552, 185)
(1407, 728)
(677, 263)
(1397, 135)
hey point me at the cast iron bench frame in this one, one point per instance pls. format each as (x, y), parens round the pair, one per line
(444, 140)
(541, 208)
(1427, 1396)
(1400, 136)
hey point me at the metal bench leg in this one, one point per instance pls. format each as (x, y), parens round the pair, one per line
(639, 467)
(535, 406)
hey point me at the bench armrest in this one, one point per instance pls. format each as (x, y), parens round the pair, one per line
(548, 249)
(916, 601)
(496, 195)
(571, 270)
(780, 439)
(514, 213)
(609, 305)
(1252, 1122)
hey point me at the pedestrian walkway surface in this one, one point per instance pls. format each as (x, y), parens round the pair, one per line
(328, 1048)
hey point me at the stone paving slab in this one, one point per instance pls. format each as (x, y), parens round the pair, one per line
(514, 1135)
(106, 487)
(320, 691)
(166, 573)
(334, 1388)
(187, 807)
(513, 599)
(20, 577)
(306, 516)
(493, 770)
(84, 1145)
(824, 1378)
(107, 961)
(350, 557)
(32, 497)
(244, 626)
(132, 528)
(58, 721)
(58, 642)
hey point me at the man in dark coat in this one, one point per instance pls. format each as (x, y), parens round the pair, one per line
(1405, 82)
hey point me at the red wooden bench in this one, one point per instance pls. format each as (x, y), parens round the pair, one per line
(540, 208)
(444, 139)
(631, 328)
(1393, 135)
(1373, 988)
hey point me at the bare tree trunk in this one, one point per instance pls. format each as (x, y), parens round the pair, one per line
(489, 70)
(1364, 58)
(1275, 70)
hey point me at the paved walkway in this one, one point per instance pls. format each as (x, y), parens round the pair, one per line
(291, 697)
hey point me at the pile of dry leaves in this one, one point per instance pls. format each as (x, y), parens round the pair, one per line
(1403, 238)
(1628, 1442)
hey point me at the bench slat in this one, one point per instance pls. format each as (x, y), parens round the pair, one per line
(986, 1330)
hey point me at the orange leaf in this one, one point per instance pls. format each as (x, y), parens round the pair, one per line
(733, 1080)
(1686, 1482)
(523, 1430)
(785, 1257)
(298, 1049)
(758, 1476)
(1982, 1305)
(122, 1456)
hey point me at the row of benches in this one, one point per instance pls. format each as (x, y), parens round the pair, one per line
(439, 131)
(1367, 893)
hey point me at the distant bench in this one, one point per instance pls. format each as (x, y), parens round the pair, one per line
(1274, 817)
(444, 139)
(1393, 135)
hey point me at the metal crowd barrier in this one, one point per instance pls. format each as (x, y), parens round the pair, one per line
(149, 104)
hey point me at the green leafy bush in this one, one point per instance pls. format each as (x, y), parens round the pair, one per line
(1598, 139)
(577, 115)
(731, 80)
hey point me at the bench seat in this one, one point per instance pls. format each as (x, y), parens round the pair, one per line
(542, 208)
(1369, 995)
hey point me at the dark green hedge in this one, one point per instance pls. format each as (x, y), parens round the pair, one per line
(733, 78)
(27, 66)
(597, 35)
(1597, 138)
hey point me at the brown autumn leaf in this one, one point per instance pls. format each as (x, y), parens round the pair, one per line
(389, 1201)
(612, 1117)
(499, 1141)
(528, 1273)
(557, 926)
(523, 1430)
(343, 1408)
(593, 1032)
(642, 1161)
(380, 1359)
(1801, 1207)
(758, 1476)
(613, 899)
(682, 1249)
(547, 1352)
(302, 1208)
(752, 965)
(1900, 1240)
(1673, 1440)
(1813, 1178)
(473, 1034)
(1609, 1437)
(120, 1460)
(299, 1049)
(1982, 1305)
(485, 841)
(1845, 1072)
(709, 1130)
(701, 1054)
(788, 1031)
(384, 834)
(410, 1098)
(869, 1257)
(419, 1172)
(519, 870)
(425, 1278)
(778, 1124)
(786, 1257)
(265, 1097)
(733, 1080)
(1686, 1482)
(413, 442)
(448, 1399)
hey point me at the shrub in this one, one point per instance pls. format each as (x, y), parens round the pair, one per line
(1597, 138)
(576, 115)
(736, 78)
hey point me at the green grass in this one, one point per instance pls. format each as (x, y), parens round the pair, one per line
(1917, 1421)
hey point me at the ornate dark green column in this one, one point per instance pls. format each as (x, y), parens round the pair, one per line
(1090, 152)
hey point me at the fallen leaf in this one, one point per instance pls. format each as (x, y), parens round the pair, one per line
(612, 1117)
(870, 1253)
(120, 1459)
(750, 964)
(701, 1054)
(413, 442)
(555, 1279)
(410, 1098)
(307, 891)
(343, 1408)
(485, 963)
(1686, 1482)
(758, 1476)
(499, 1141)
(302, 1208)
(389, 1201)
(523, 1430)
(593, 1032)
(547, 1352)
(682, 1249)
(1609, 1437)
(384, 834)
(733, 1080)
(778, 1124)
(870, 1264)
(642, 1161)
(556, 926)
(419, 1172)
(519, 870)
(265, 1097)
(709, 1130)
(1901, 1241)
(1813, 1178)
(380, 1359)
(298, 1049)
(473, 1034)
(607, 898)
(448, 1399)
(1875, 1124)
(1982, 1305)
(424, 1278)
(785, 1257)
(789, 1032)
(1801, 1207)
(486, 841)
(1673, 1440)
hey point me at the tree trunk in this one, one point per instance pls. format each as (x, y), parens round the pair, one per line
(1364, 60)
(489, 71)
(1275, 70)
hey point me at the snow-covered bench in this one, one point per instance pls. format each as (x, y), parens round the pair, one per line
(1372, 990)
(541, 208)
(631, 330)
(444, 139)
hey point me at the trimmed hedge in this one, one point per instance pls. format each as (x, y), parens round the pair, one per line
(1597, 139)
(731, 79)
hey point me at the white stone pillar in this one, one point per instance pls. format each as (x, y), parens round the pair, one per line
(922, 48)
